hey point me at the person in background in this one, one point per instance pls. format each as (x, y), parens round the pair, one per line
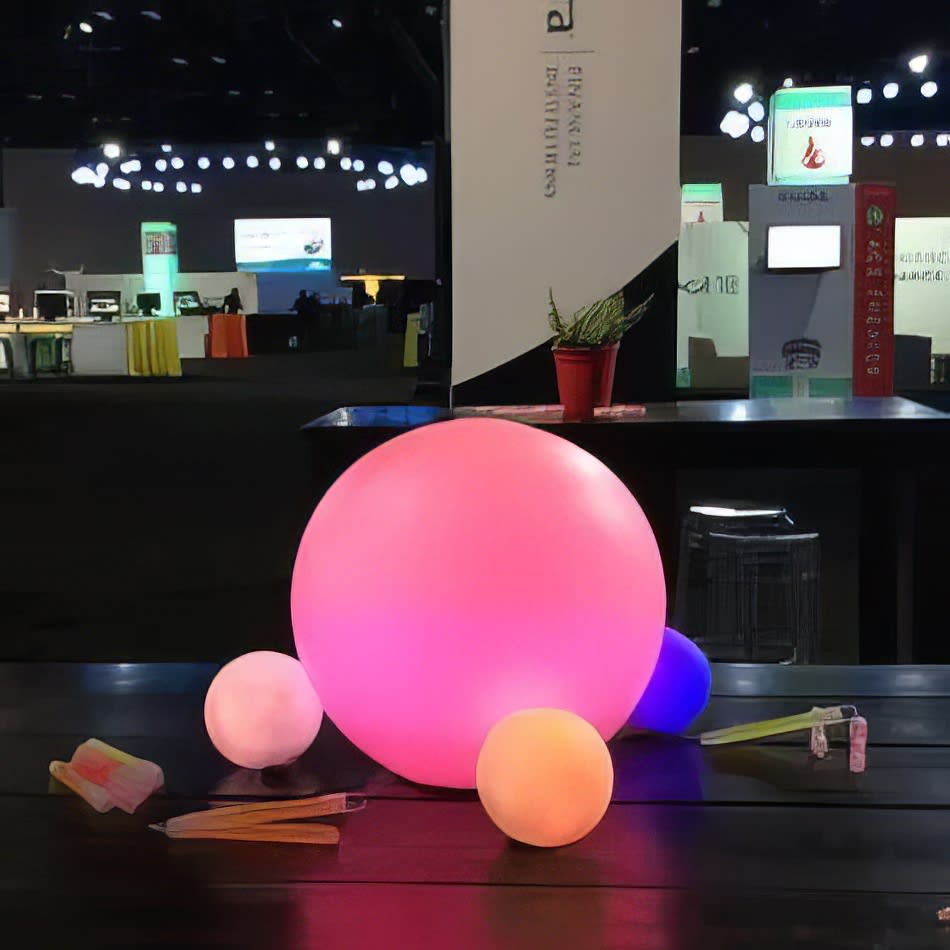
(232, 303)
(301, 304)
(314, 304)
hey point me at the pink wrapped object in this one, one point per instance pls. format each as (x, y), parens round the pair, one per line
(859, 744)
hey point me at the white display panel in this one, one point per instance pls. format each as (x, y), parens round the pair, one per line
(922, 280)
(283, 245)
(805, 247)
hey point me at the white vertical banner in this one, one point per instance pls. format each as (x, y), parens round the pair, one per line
(565, 161)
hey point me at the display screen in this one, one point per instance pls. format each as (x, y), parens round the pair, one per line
(805, 247)
(283, 245)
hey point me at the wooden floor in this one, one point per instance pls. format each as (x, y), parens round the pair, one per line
(749, 847)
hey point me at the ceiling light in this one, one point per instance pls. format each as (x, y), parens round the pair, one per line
(744, 92)
(167, 149)
(100, 183)
(757, 112)
(121, 184)
(359, 165)
(269, 145)
(159, 186)
(385, 168)
(204, 163)
(178, 162)
(943, 140)
(735, 124)
(361, 185)
(102, 169)
(919, 63)
(220, 60)
(146, 185)
(196, 189)
(929, 89)
(422, 176)
(336, 23)
(788, 83)
(85, 26)
(181, 187)
(234, 92)
(152, 14)
(34, 96)
(84, 175)
(758, 134)
(160, 164)
(319, 163)
(179, 61)
(917, 140)
(112, 150)
(227, 162)
(268, 92)
(887, 140)
(346, 164)
(864, 96)
(303, 162)
(274, 164)
(392, 182)
(105, 15)
(130, 167)
(370, 184)
(408, 174)
(868, 140)
(891, 90)
(252, 161)
(334, 147)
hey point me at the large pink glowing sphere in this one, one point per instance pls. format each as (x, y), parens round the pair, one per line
(261, 710)
(468, 570)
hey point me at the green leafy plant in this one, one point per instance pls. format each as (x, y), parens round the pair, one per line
(599, 324)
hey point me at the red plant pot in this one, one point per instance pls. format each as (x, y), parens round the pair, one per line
(605, 369)
(575, 382)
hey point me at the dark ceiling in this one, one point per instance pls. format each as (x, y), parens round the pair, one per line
(816, 42)
(248, 69)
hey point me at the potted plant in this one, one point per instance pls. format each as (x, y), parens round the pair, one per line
(585, 350)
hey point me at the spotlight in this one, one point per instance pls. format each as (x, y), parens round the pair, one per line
(85, 26)
(336, 23)
(392, 182)
(159, 187)
(84, 175)
(919, 63)
(334, 147)
(130, 167)
(735, 124)
(252, 161)
(121, 184)
(104, 15)
(788, 82)
(204, 163)
(112, 150)
(269, 145)
(274, 164)
(758, 134)
(100, 183)
(408, 174)
(234, 92)
(757, 112)
(864, 96)
(943, 140)
(167, 149)
(385, 168)
(220, 60)
(196, 189)
(161, 165)
(179, 61)
(929, 89)
(361, 185)
(102, 169)
(744, 92)
(359, 165)
(422, 176)
(178, 163)
(887, 140)
(320, 163)
(227, 162)
(146, 185)
(303, 162)
(891, 90)
(181, 187)
(152, 15)
(346, 164)
(370, 184)
(868, 140)
(917, 140)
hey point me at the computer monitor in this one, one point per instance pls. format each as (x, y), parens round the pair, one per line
(4, 303)
(149, 304)
(105, 304)
(188, 302)
(54, 304)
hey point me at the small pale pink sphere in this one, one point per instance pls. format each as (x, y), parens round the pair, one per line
(261, 710)
(467, 570)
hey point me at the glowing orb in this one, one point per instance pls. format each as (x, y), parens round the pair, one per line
(679, 690)
(545, 777)
(468, 570)
(261, 710)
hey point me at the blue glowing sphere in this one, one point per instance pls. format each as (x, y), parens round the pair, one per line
(679, 690)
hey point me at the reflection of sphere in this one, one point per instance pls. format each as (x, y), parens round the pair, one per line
(261, 710)
(467, 570)
(679, 689)
(545, 777)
